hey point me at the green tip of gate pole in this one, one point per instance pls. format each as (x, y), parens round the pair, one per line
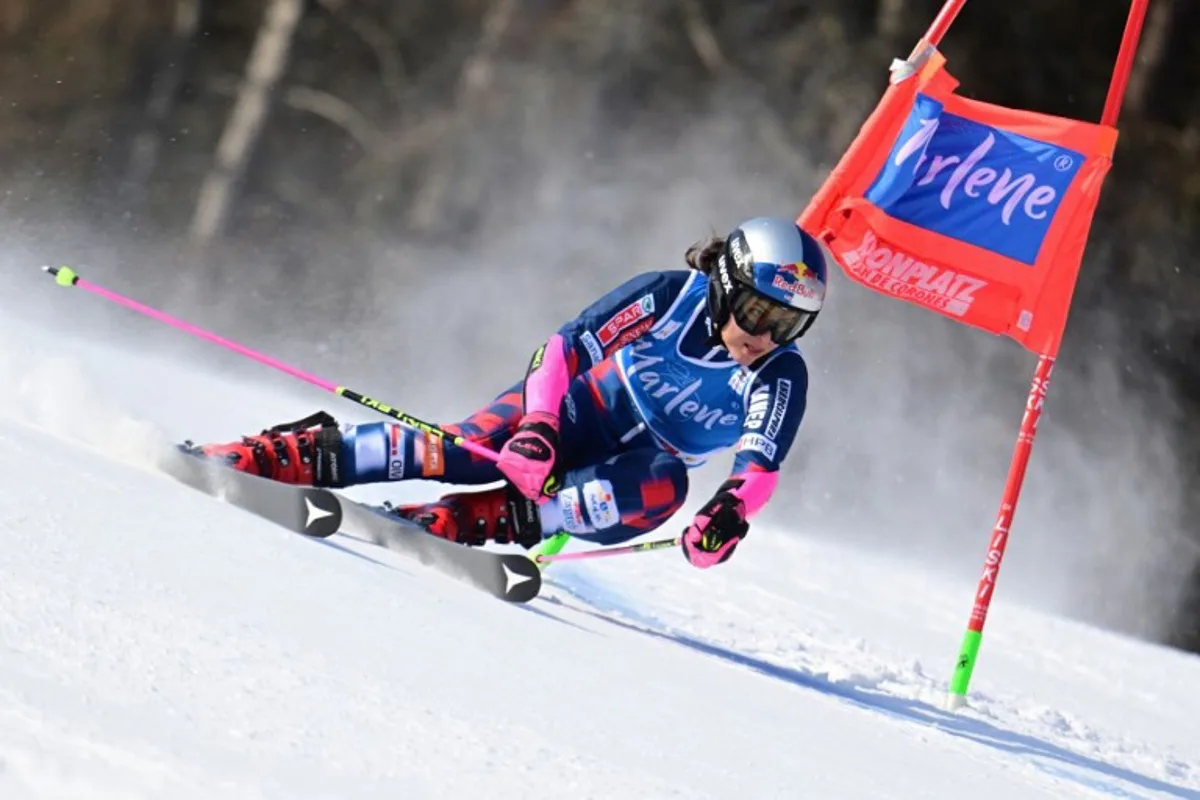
(63, 276)
(963, 669)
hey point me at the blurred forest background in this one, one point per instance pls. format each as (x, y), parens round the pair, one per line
(320, 150)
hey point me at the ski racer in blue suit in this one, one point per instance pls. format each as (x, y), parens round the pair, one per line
(649, 381)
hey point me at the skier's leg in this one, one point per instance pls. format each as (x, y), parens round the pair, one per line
(616, 486)
(317, 451)
(624, 496)
(376, 452)
(305, 452)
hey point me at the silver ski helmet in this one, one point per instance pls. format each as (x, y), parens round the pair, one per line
(770, 277)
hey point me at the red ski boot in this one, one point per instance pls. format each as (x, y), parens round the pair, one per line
(294, 452)
(501, 515)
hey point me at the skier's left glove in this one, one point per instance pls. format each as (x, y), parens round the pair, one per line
(528, 458)
(716, 529)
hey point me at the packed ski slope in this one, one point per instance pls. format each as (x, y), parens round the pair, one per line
(155, 643)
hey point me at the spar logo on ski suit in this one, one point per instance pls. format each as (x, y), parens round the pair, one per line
(629, 323)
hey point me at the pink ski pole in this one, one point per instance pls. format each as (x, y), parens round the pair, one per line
(605, 552)
(65, 276)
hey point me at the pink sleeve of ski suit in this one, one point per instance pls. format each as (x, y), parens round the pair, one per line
(756, 489)
(548, 378)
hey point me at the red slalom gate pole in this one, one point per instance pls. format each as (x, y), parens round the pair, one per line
(969, 652)
(942, 22)
(1124, 65)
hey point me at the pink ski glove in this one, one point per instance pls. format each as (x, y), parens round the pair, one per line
(716, 529)
(527, 459)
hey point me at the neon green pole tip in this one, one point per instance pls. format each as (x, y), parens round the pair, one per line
(551, 546)
(65, 276)
(965, 666)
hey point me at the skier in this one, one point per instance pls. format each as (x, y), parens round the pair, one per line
(615, 408)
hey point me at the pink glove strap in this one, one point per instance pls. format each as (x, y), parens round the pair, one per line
(547, 383)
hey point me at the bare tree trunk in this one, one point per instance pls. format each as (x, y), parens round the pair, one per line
(147, 144)
(267, 63)
(473, 82)
(13, 15)
(889, 18)
(329, 107)
(702, 36)
(377, 37)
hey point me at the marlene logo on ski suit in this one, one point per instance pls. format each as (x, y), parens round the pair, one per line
(973, 182)
(659, 386)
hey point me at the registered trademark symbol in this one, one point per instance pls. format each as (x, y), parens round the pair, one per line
(1063, 163)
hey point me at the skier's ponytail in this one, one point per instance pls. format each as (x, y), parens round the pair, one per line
(702, 256)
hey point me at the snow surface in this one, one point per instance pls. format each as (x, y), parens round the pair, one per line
(155, 643)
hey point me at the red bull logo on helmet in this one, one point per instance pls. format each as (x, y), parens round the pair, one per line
(799, 271)
(797, 279)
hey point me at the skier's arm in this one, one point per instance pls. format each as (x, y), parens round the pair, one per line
(611, 322)
(619, 317)
(775, 408)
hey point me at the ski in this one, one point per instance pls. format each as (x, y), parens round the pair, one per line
(320, 513)
(512, 577)
(305, 510)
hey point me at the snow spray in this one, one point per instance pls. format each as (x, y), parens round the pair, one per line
(65, 276)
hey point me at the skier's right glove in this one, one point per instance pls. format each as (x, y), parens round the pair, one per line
(717, 528)
(528, 458)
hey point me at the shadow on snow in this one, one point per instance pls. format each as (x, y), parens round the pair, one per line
(1050, 758)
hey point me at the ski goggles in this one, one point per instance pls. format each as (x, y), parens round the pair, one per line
(756, 314)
